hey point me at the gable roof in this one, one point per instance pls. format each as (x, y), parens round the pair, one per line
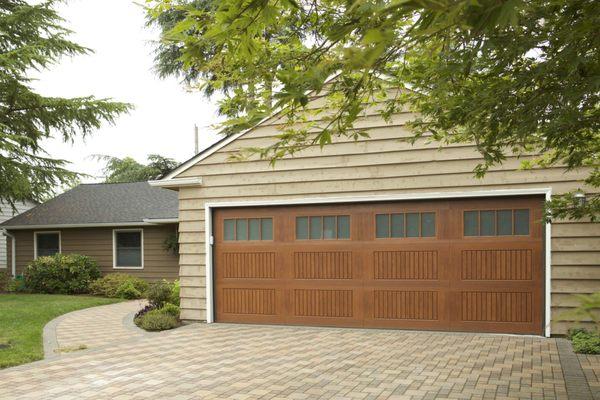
(101, 204)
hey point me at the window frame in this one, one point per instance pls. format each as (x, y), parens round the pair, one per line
(260, 231)
(496, 235)
(35, 247)
(322, 217)
(114, 246)
(405, 212)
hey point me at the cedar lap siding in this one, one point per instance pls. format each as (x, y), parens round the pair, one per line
(86, 217)
(378, 166)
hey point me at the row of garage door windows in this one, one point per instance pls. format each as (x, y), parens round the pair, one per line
(395, 225)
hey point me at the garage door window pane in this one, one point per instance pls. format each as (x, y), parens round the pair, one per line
(315, 227)
(382, 225)
(266, 231)
(504, 222)
(487, 226)
(343, 227)
(229, 229)
(397, 225)
(471, 222)
(412, 224)
(428, 224)
(302, 228)
(254, 229)
(329, 228)
(521, 222)
(241, 229)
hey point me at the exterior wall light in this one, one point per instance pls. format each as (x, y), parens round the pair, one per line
(580, 197)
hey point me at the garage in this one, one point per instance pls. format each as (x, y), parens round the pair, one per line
(452, 265)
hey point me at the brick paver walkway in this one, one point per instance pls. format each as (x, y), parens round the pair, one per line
(591, 367)
(221, 361)
(92, 327)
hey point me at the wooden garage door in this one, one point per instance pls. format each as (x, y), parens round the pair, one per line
(455, 265)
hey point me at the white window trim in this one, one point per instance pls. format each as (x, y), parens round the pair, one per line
(35, 235)
(114, 235)
(546, 191)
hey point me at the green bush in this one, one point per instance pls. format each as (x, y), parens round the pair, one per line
(16, 285)
(170, 309)
(5, 279)
(157, 320)
(127, 290)
(159, 293)
(61, 273)
(586, 342)
(175, 293)
(115, 285)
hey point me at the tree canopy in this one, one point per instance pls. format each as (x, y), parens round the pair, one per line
(32, 38)
(119, 170)
(513, 77)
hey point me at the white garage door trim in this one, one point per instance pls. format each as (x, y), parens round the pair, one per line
(208, 207)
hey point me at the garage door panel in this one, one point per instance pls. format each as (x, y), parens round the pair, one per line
(333, 306)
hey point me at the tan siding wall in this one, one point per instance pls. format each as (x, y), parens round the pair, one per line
(380, 165)
(97, 243)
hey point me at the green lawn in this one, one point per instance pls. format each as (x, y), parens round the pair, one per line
(22, 320)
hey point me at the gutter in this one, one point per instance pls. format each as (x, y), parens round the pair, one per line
(177, 182)
(144, 222)
(13, 251)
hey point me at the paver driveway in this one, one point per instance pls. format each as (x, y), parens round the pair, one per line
(249, 362)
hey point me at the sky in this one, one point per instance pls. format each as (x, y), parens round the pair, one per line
(121, 68)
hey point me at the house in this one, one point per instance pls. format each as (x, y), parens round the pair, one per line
(377, 233)
(7, 212)
(123, 226)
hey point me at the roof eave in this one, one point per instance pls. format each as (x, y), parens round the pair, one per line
(145, 222)
(177, 182)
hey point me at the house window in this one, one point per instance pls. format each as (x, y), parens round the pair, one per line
(128, 248)
(46, 243)
(496, 222)
(328, 227)
(248, 229)
(399, 225)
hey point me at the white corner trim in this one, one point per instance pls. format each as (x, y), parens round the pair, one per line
(208, 208)
(35, 235)
(176, 182)
(13, 251)
(114, 246)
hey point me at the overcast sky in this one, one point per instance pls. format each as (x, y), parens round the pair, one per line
(121, 68)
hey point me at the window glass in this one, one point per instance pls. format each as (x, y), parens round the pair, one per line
(397, 225)
(266, 228)
(301, 227)
(48, 244)
(428, 224)
(471, 222)
(487, 223)
(229, 229)
(241, 229)
(343, 227)
(521, 222)
(382, 222)
(329, 228)
(504, 222)
(129, 248)
(315, 227)
(254, 229)
(412, 224)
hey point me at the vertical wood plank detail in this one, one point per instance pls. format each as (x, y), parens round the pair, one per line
(249, 265)
(323, 265)
(418, 265)
(497, 264)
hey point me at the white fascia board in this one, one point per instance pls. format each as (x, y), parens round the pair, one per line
(161, 220)
(90, 225)
(176, 182)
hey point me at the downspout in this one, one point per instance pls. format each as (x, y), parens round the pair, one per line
(13, 251)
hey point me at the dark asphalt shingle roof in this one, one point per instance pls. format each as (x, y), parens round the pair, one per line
(102, 203)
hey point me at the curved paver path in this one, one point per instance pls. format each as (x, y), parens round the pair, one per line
(92, 328)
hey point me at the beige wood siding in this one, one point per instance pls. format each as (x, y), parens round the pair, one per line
(98, 244)
(379, 165)
(6, 213)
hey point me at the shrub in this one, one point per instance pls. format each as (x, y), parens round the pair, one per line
(16, 285)
(175, 293)
(5, 279)
(170, 309)
(61, 273)
(159, 293)
(143, 311)
(127, 290)
(586, 342)
(109, 285)
(157, 320)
